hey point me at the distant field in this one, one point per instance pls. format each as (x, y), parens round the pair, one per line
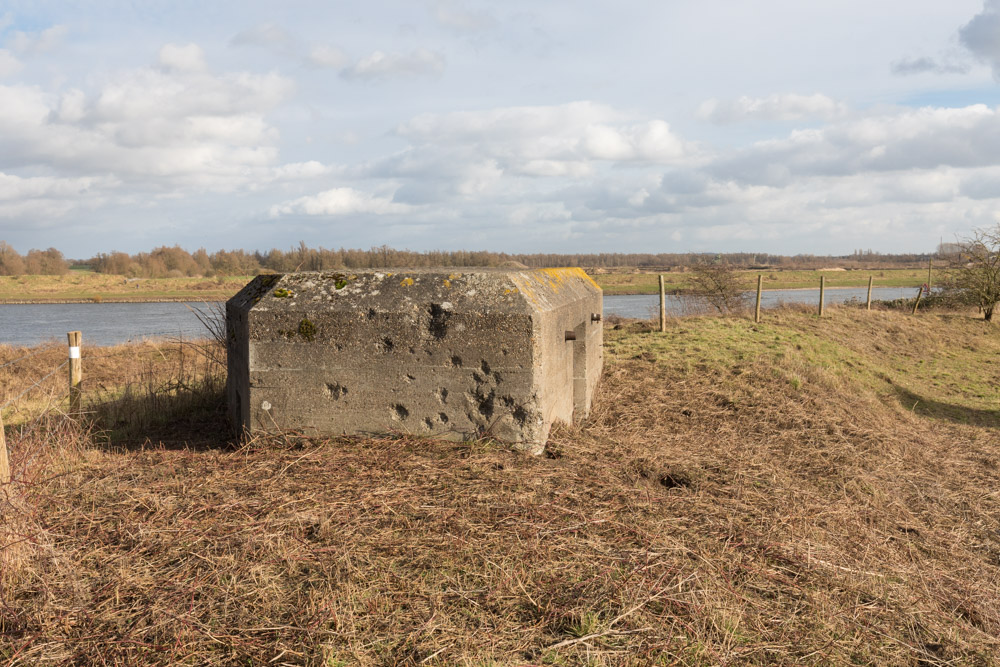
(647, 283)
(88, 286)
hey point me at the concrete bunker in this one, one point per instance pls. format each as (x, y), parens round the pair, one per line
(454, 354)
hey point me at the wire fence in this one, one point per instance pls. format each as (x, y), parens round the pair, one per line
(34, 385)
(20, 359)
(150, 378)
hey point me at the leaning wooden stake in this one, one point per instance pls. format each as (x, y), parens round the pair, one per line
(822, 293)
(75, 371)
(756, 310)
(868, 306)
(663, 305)
(916, 303)
(4, 458)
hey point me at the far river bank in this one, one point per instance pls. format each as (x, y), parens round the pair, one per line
(113, 323)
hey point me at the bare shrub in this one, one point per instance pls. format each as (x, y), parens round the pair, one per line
(721, 286)
(975, 274)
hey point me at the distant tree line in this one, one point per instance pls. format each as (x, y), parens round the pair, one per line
(165, 262)
(37, 262)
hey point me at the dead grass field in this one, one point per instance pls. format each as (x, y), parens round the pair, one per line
(794, 492)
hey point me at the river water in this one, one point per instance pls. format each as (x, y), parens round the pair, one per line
(113, 323)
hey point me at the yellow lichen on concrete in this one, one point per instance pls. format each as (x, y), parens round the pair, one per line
(538, 285)
(556, 276)
(406, 282)
(447, 283)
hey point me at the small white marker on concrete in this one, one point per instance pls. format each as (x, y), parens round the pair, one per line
(266, 405)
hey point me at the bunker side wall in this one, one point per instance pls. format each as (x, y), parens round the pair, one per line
(457, 375)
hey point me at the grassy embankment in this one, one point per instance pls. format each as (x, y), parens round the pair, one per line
(794, 492)
(88, 286)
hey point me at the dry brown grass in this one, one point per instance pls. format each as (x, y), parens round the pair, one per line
(743, 494)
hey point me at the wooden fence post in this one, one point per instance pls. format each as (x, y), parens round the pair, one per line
(756, 310)
(822, 293)
(663, 305)
(75, 371)
(920, 292)
(868, 306)
(4, 458)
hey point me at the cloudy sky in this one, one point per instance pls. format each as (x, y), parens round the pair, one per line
(559, 126)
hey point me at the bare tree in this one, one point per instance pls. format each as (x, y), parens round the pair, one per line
(976, 274)
(720, 285)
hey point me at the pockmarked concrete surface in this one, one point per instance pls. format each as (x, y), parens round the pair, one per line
(457, 354)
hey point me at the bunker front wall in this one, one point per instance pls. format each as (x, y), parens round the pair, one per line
(454, 355)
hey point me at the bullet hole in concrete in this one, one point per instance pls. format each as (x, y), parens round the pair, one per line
(484, 403)
(438, 325)
(443, 417)
(478, 377)
(335, 391)
(486, 367)
(371, 313)
(486, 407)
(442, 395)
(456, 361)
(520, 416)
(399, 412)
(385, 345)
(428, 424)
(413, 350)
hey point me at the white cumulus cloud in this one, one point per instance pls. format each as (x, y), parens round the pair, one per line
(265, 34)
(9, 65)
(162, 127)
(338, 202)
(778, 107)
(38, 42)
(542, 140)
(382, 65)
(893, 141)
(328, 55)
(457, 16)
(183, 57)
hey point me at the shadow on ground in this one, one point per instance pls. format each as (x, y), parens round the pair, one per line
(183, 418)
(940, 410)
